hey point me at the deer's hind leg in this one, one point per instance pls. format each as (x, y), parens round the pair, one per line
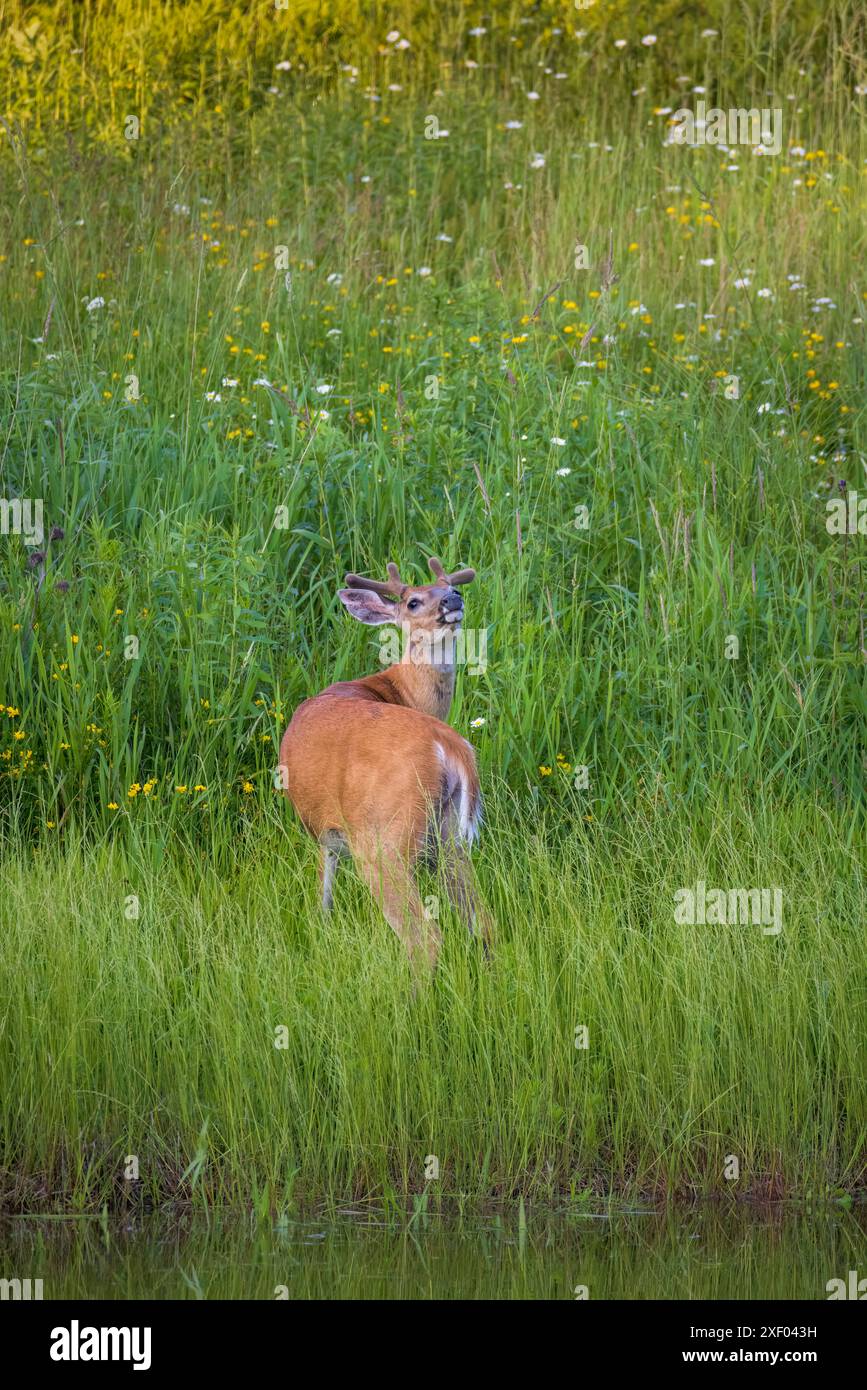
(327, 874)
(333, 847)
(457, 871)
(387, 869)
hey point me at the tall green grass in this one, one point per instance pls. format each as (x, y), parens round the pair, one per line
(706, 518)
(244, 1049)
(473, 409)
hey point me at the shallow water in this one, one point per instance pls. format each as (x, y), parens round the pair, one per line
(685, 1253)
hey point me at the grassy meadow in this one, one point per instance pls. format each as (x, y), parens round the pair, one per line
(281, 298)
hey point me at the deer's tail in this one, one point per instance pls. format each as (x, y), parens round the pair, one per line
(460, 787)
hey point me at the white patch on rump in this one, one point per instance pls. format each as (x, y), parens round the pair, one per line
(458, 788)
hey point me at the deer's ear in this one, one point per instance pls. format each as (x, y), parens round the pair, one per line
(367, 606)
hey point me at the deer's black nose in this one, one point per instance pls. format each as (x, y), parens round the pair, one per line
(452, 602)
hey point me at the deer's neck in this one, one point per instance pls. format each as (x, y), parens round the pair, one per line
(424, 687)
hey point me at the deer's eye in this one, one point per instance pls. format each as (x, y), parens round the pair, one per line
(414, 603)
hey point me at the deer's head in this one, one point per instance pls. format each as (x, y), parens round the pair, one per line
(428, 609)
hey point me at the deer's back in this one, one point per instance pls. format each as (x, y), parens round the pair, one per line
(366, 768)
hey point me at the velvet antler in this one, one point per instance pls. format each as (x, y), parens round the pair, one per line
(459, 576)
(394, 586)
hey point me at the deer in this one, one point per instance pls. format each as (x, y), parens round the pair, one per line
(375, 773)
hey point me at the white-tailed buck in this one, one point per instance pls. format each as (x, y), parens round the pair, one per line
(374, 771)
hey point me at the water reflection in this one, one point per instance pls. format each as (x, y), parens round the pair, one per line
(694, 1253)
